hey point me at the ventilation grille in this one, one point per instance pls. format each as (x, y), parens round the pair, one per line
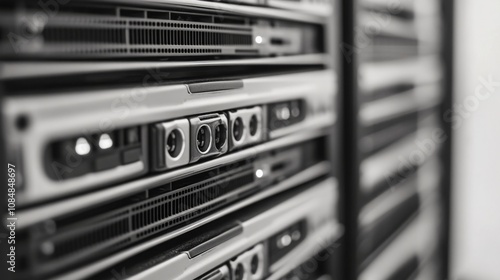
(84, 35)
(102, 33)
(159, 210)
(154, 33)
(186, 37)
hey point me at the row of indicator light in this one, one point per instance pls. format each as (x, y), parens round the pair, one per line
(286, 239)
(285, 112)
(82, 145)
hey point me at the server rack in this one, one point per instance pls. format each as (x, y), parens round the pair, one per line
(173, 139)
(201, 54)
(397, 90)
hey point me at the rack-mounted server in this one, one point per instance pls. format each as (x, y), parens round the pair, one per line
(158, 136)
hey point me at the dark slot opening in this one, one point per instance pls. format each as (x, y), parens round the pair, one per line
(279, 41)
(190, 17)
(158, 15)
(208, 117)
(278, 166)
(103, 80)
(229, 20)
(87, 9)
(388, 91)
(132, 13)
(246, 51)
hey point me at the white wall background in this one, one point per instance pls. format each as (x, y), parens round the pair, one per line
(476, 199)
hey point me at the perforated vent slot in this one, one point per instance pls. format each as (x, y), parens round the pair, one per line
(186, 199)
(82, 35)
(132, 219)
(95, 236)
(186, 37)
(174, 51)
(119, 32)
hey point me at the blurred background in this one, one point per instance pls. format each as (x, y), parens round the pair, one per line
(476, 152)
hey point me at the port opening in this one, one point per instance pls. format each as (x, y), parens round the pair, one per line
(203, 139)
(239, 272)
(238, 129)
(220, 135)
(253, 125)
(254, 264)
(175, 144)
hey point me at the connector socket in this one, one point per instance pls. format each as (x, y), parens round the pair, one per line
(170, 144)
(209, 136)
(245, 127)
